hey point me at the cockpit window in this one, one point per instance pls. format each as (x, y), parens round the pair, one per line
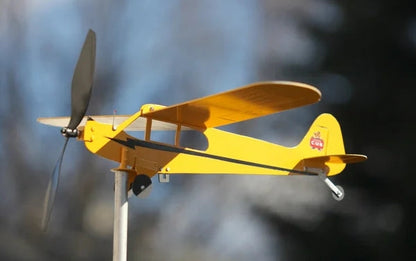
(194, 140)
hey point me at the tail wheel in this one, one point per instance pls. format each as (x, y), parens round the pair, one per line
(142, 186)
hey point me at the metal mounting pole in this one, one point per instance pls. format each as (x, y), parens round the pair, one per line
(121, 207)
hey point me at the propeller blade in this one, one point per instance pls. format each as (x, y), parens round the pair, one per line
(51, 190)
(82, 81)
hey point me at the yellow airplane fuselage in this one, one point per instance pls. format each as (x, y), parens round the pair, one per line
(226, 153)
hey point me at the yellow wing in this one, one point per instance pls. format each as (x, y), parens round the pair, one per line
(248, 102)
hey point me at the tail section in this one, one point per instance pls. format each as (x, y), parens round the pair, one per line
(323, 147)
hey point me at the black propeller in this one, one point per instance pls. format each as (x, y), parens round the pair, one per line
(82, 82)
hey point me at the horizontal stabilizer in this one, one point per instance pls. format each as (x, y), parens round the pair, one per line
(335, 163)
(336, 159)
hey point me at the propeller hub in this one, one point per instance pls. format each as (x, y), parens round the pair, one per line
(69, 133)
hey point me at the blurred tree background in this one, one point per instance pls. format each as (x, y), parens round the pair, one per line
(360, 54)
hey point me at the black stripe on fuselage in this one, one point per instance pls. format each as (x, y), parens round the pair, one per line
(132, 143)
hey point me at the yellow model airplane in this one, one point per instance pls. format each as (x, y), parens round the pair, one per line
(320, 153)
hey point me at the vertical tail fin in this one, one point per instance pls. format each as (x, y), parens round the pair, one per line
(323, 139)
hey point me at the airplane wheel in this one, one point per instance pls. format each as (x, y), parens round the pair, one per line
(339, 198)
(141, 186)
